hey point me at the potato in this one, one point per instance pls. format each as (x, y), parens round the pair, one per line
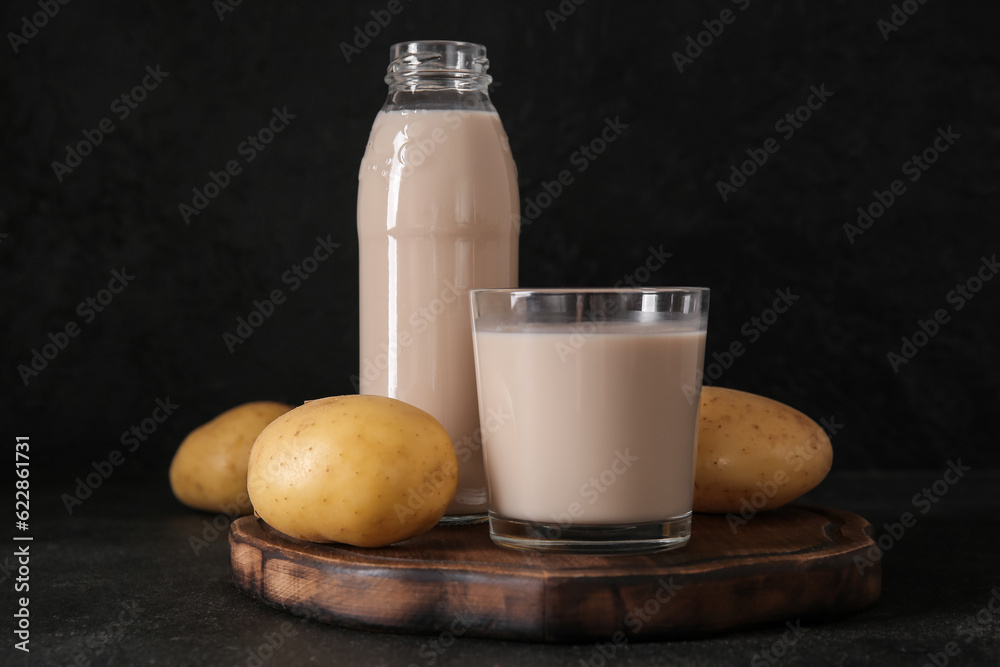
(754, 452)
(362, 470)
(209, 470)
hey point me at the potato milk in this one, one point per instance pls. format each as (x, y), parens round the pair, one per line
(594, 426)
(438, 215)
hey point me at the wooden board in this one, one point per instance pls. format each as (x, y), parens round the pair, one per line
(789, 564)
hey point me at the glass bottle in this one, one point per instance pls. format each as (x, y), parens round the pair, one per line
(438, 215)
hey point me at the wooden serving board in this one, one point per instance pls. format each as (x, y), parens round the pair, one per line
(791, 563)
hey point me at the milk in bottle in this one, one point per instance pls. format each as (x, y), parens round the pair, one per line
(438, 215)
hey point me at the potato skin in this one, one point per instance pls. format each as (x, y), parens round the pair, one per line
(362, 470)
(754, 452)
(209, 469)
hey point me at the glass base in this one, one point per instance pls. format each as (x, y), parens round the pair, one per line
(630, 538)
(462, 519)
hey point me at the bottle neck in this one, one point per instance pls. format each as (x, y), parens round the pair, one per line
(438, 75)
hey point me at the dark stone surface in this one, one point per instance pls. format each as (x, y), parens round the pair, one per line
(122, 576)
(655, 185)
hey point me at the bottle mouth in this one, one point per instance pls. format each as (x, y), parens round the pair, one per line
(437, 58)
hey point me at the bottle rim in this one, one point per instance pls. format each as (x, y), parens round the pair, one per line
(437, 57)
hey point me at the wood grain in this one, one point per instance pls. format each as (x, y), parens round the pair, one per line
(783, 565)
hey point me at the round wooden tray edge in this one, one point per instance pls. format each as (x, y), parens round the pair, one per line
(816, 574)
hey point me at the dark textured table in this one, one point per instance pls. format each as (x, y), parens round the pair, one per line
(131, 577)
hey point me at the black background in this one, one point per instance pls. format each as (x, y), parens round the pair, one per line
(556, 83)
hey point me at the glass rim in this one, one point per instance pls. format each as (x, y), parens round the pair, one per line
(552, 291)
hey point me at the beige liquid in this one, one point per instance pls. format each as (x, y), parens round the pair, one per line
(595, 428)
(438, 215)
